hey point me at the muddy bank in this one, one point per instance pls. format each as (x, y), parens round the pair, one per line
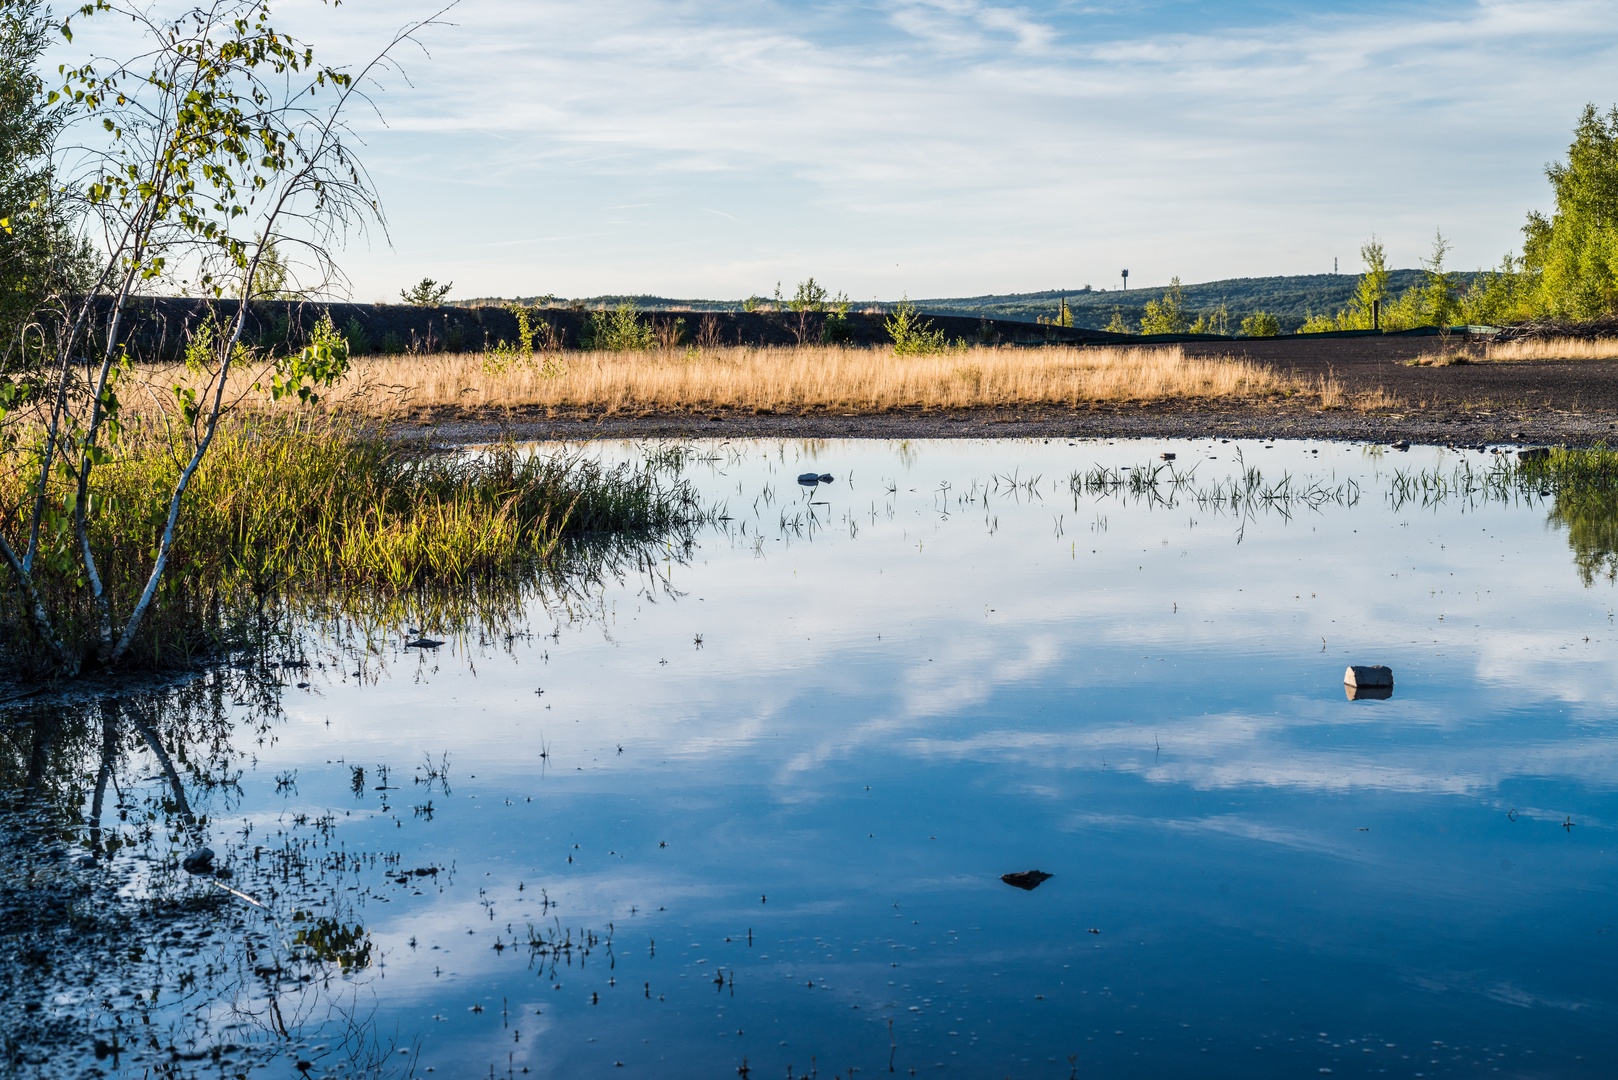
(1435, 427)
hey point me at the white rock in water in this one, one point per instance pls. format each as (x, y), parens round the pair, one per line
(1368, 675)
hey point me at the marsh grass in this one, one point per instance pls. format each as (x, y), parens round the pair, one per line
(804, 379)
(335, 514)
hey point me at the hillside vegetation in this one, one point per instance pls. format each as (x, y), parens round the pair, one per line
(1291, 299)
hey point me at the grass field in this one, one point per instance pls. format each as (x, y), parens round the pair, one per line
(807, 379)
(1553, 349)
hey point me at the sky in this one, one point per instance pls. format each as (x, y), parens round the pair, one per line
(932, 148)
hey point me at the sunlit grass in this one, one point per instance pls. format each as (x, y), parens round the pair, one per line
(805, 379)
(1554, 349)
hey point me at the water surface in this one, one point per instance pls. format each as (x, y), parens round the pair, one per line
(748, 808)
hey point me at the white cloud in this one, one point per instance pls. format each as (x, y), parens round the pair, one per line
(943, 147)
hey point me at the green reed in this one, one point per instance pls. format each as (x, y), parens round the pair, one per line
(334, 512)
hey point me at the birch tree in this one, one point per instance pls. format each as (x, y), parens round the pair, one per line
(223, 143)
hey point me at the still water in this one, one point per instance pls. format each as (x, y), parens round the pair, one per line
(745, 811)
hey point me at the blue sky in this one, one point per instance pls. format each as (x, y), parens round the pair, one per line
(709, 148)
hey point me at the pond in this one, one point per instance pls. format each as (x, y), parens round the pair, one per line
(746, 807)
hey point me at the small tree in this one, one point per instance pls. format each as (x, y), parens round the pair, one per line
(911, 336)
(1166, 316)
(1439, 289)
(1572, 256)
(1261, 324)
(1216, 321)
(426, 293)
(819, 313)
(224, 140)
(1372, 289)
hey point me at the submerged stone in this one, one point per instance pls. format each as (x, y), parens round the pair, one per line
(1025, 879)
(199, 861)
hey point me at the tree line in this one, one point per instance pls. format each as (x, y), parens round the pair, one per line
(1567, 269)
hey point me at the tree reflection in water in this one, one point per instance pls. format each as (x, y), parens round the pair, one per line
(1591, 521)
(114, 958)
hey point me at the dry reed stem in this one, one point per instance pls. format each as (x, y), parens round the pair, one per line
(1554, 349)
(794, 379)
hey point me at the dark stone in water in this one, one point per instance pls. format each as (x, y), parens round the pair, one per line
(810, 479)
(199, 861)
(1026, 880)
(423, 643)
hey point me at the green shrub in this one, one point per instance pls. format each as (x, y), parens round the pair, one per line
(504, 356)
(1261, 324)
(359, 342)
(837, 329)
(620, 330)
(392, 344)
(912, 337)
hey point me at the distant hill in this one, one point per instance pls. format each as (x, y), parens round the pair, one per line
(1289, 299)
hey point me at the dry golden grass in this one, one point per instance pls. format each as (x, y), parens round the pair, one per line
(1554, 349)
(800, 379)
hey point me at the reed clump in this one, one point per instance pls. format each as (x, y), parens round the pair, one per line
(321, 506)
(799, 379)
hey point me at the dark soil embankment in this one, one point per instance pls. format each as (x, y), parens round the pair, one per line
(158, 328)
